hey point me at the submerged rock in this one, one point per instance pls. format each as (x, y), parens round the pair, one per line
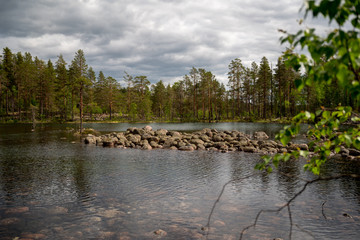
(16, 210)
(160, 233)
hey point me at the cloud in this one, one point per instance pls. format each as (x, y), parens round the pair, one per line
(162, 39)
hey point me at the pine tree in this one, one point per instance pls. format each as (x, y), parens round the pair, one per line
(235, 76)
(62, 87)
(79, 71)
(264, 78)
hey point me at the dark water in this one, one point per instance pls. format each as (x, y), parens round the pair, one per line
(54, 187)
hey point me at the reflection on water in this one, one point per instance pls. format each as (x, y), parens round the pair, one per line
(54, 187)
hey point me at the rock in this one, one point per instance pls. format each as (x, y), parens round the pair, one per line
(160, 233)
(201, 147)
(204, 138)
(249, 149)
(213, 149)
(296, 147)
(354, 152)
(134, 138)
(121, 140)
(303, 146)
(58, 210)
(124, 237)
(16, 210)
(146, 136)
(228, 139)
(147, 128)
(90, 139)
(106, 235)
(33, 235)
(219, 223)
(217, 138)
(146, 147)
(344, 151)
(219, 145)
(175, 134)
(260, 136)
(139, 131)
(161, 132)
(154, 144)
(197, 142)
(155, 139)
(130, 130)
(266, 144)
(173, 148)
(181, 144)
(187, 148)
(108, 143)
(9, 221)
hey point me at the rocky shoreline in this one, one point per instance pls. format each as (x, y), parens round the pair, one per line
(207, 139)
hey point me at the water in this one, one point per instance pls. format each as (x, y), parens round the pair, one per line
(52, 186)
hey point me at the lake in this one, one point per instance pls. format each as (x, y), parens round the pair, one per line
(52, 186)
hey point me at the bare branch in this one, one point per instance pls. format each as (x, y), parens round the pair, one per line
(322, 210)
(287, 204)
(207, 226)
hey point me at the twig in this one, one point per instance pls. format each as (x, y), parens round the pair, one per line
(305, 231)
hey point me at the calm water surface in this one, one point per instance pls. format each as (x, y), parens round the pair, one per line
(52, 186)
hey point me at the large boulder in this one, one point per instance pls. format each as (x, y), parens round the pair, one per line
(260, 136)
(197, 142)
(139, 131)
(147, 128)
(161, 132)
(90, 139)
(175, 134)
(186, 148)
(170, 142)
(250, 149)
(134, 138)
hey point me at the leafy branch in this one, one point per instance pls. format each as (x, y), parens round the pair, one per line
(324, 136)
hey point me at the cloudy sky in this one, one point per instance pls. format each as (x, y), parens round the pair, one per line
(161, 39)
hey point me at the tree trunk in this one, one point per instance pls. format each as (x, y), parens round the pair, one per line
(81, 109)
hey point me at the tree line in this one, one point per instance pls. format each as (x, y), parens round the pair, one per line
(31, 88)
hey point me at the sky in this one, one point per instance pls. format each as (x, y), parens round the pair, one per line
(161, 39)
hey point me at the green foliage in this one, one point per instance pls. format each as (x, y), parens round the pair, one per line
(334, 59)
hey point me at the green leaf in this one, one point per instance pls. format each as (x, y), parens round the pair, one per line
(299, 84)
(341, 75)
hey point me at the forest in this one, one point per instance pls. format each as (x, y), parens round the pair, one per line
(33, 89)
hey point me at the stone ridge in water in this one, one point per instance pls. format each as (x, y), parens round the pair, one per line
(207, 139)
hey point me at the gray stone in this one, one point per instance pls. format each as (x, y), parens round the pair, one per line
(197, 142)
(260, 135)
(187, 148)
(354, 152)
(134, 138)
(201, 147)
(146, 146)
(170, 142)
(217, 138)
(161, 132)
(154, 144)
(249, 149)
(175, 134)
(147, 128)
(90, 139)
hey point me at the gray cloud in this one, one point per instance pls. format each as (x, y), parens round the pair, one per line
(162, 39)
